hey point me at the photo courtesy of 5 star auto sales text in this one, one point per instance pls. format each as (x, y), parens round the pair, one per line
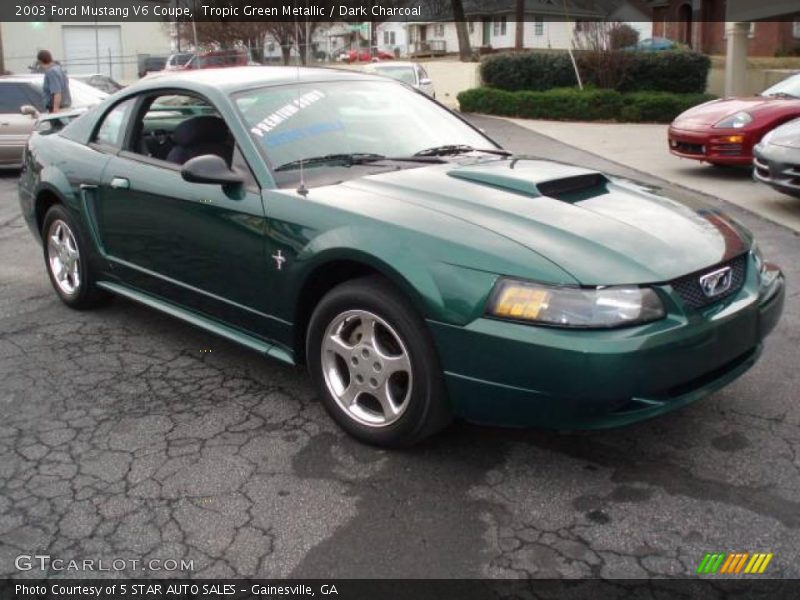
(399, 299)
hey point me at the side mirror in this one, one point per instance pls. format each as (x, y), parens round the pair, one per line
(425, 81)
(210, 168)
(27, 109)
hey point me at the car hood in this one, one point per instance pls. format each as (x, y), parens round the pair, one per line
(787, 135)
(710, 113)
(599, 229)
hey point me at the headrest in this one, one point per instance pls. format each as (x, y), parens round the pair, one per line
(200, 130)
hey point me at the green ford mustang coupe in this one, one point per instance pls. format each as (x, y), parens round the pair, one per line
(349, 223)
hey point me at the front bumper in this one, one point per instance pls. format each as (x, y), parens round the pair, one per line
(779, 167)
(519, 375)
(711, 145)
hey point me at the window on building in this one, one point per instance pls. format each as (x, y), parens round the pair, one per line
(499, 26)
(538, 26)
(472, 26)
(796, 28)
(438, 30)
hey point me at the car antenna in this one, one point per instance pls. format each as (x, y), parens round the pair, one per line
(301, 189)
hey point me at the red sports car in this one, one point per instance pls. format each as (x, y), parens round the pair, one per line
(723, 132)
(364, 55)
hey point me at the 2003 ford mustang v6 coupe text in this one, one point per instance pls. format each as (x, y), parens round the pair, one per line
(350, 223)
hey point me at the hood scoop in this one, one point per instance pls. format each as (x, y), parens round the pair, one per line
(536, 178)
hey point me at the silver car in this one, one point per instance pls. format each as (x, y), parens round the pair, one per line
(411, 73)
(20, 103)
(777, 159)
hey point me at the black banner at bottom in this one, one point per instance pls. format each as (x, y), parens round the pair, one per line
(394, 589)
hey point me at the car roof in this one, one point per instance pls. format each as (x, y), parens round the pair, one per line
(233, 79)
(22, 77)
(393, 63)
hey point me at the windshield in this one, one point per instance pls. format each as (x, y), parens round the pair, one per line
(404, 74)
(787, 87)
(303, 121)
(180, 59)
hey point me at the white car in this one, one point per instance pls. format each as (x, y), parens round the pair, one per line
(411, 73)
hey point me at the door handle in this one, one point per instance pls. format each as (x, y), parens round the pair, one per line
(120, 183)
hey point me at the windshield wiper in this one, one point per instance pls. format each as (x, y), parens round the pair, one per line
(352, 158)
(782, 95)
(452, 149)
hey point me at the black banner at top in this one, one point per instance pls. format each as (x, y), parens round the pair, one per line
(376, 10)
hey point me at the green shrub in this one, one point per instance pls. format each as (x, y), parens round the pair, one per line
(575, 105)
(658, 107)
(528, 71)
(678, 72)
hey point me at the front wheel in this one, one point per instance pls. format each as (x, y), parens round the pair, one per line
(66, 257)
(374, 365)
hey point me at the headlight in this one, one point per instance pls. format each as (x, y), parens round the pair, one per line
(736, 121)
(602, 308)
(758, 257)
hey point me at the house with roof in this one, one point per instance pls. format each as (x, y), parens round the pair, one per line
(701, 25)
(492, 25)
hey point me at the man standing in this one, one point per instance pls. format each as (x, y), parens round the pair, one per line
(55, 91)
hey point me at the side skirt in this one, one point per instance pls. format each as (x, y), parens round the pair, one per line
(202, 322)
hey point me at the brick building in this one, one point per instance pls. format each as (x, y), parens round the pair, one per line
(701, 25)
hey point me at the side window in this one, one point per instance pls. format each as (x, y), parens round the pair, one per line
(12, 97)
(112, 130)
(177, 127)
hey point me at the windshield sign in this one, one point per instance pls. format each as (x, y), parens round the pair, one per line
(301, 121)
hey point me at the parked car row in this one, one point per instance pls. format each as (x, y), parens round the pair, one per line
(183, 61)
(763, 131)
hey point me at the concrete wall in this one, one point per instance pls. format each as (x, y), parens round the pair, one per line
(449, 77)
(21, 42)
(757, 79)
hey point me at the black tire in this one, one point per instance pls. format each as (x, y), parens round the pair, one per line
(86, 294)
(427, 409)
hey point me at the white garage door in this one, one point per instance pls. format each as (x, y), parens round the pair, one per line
(89, 49)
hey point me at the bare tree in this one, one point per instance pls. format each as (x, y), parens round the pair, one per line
(607, 66)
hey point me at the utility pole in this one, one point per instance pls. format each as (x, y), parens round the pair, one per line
(2, 57)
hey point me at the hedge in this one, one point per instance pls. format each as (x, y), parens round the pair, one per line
(677, 72)
(580, 105)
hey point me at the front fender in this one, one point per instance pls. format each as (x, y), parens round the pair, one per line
(439, 290)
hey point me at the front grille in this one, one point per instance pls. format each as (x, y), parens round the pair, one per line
(688, 286)
(785, 175)
(688, 148)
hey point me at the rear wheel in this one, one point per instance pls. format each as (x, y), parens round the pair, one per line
(66, 256)
(374, 365)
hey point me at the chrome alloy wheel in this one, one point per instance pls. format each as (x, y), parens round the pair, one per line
(63, 257)
(367, 368)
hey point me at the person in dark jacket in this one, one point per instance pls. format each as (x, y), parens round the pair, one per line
(55, 92)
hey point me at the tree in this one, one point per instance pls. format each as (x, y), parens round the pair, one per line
(464, 49)
(607, 65)
(519, 38)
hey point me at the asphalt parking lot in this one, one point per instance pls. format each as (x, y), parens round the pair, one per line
(128, 434)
